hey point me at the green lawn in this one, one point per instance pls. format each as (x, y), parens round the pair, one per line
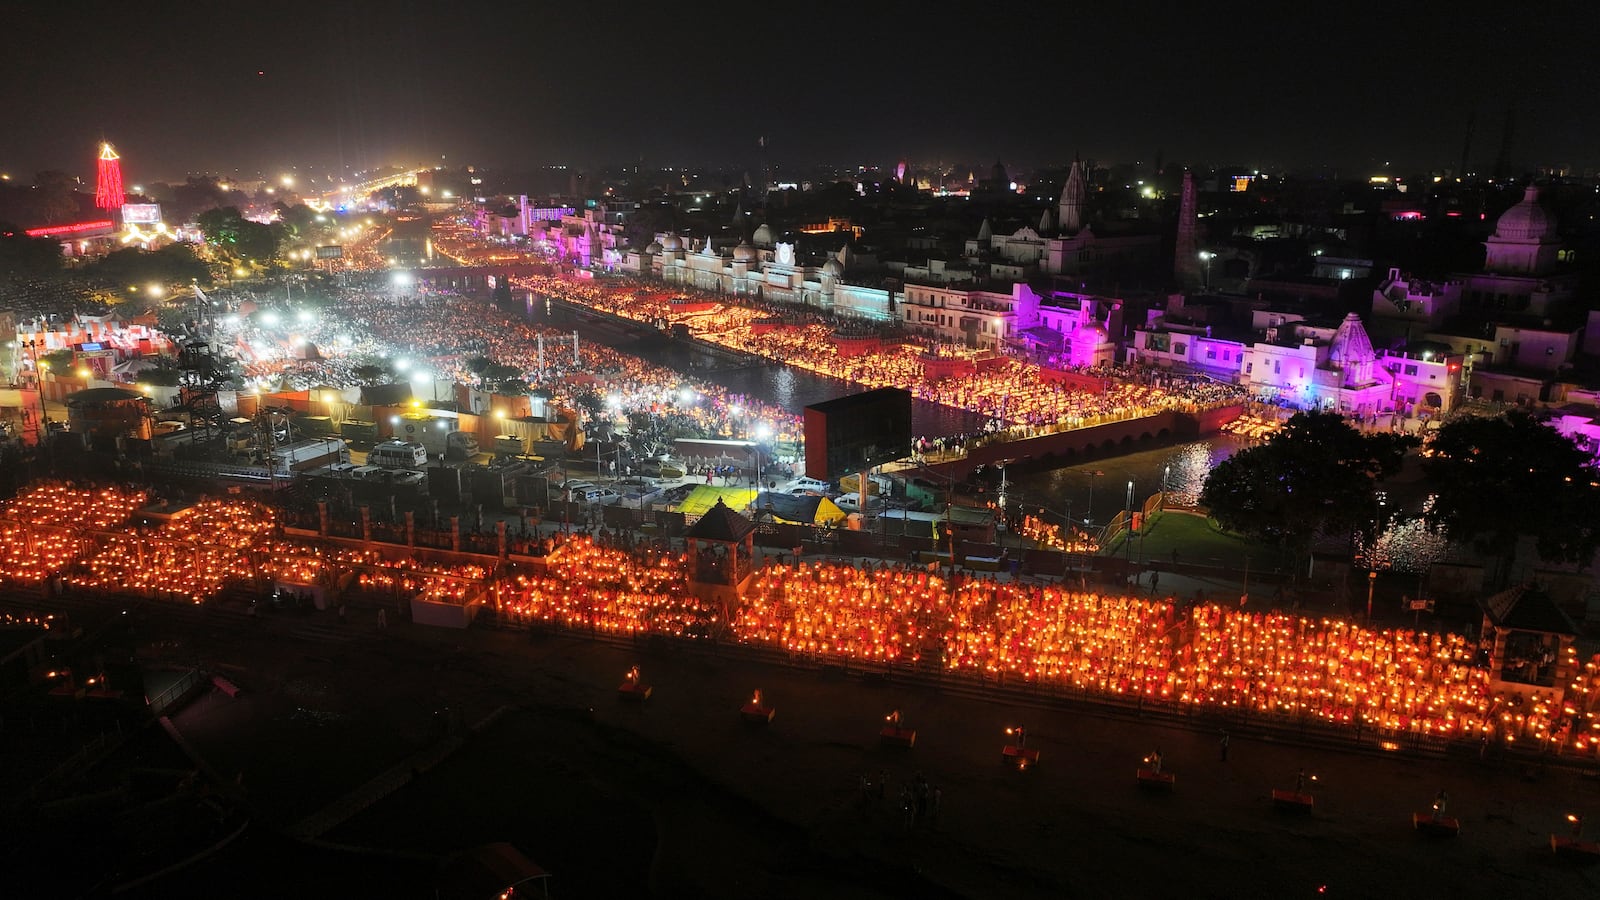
(1199, 542)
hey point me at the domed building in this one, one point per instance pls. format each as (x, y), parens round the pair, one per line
(764, 237)
(671, 244)
(1525, 241)
(1521, 267)
(744, 253)
(1091, 345)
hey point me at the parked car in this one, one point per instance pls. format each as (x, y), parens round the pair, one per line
(407, 477)
(635, 484)
(852, 503)
(666, 469)
(805, 485)
(368, 473)
(601, 496)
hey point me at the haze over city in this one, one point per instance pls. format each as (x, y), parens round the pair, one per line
(356, 85)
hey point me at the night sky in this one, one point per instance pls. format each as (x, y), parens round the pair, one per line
(357, 84)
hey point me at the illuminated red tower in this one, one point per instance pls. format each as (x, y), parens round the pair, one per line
(108, 179)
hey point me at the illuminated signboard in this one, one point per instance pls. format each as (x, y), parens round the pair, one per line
(330, 251)
(78, 228)
(550, 213)
(141, 213)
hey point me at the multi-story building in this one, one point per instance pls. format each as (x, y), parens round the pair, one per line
(1308, 366)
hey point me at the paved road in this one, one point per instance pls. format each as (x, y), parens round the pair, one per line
(328, 706)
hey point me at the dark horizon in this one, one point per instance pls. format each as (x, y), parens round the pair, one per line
(320, 89)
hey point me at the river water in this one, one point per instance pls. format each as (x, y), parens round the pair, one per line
(779, 385)
(1094, 490)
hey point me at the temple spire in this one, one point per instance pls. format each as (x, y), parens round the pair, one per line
(1072, 196)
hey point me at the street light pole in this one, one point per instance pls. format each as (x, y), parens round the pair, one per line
(1127, 542)
(1372, 582)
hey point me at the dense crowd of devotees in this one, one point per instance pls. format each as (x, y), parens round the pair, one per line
(1010, 391)
(442, 332)
(1053, 637)
(439, 332)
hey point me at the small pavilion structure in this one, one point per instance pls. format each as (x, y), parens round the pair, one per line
(1531, 644)
(721, 555)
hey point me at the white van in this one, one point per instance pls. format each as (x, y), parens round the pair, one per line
(803, 485)
(398, 455)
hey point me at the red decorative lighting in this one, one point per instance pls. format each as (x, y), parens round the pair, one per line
(75, 228)
(108, 179)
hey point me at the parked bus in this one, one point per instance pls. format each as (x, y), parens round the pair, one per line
(398, 455)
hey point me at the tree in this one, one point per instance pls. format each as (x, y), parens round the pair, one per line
(478, 365)
(163, 376)
(504, 376)
(368, 373)
(25, 256)
(238, 237)
(1317, 476)
(55, 199)
(194, 195)
(1502, 478)
(174, 263)
(57, 361)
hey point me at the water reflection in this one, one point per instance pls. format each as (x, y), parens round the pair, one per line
(1097, 490)
(779, 385)
(1094, 491)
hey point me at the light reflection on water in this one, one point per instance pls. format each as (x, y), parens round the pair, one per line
(779, 385)
(1182, 467)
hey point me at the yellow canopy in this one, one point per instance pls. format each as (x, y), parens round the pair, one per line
(705, 496)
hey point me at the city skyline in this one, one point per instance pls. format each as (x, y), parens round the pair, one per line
(323, 91)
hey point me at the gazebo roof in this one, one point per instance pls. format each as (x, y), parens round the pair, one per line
(720, 524)
(1528, 607)
(102, 395)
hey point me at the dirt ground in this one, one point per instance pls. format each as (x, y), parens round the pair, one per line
(678, 798)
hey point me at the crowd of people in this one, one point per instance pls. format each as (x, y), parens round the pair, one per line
(1007, 389)
(439, 333)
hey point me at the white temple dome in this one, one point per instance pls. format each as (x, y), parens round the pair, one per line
(671, 243)
(833, 268)
(1090, 331)
(653, 248)
(763, 236)
(745, 253)
(1526, 221)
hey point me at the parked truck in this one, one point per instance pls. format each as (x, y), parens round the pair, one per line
(438, 434)
(298, 456)
(361, 435)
